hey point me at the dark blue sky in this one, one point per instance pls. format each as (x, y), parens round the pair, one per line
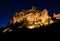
(9, 7)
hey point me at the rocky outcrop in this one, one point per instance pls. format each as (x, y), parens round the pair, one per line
(30, 19)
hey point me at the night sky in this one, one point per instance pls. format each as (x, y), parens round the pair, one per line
(9, 7)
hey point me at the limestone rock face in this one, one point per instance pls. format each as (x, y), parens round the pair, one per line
(57, 16)
(32, 15)
(32, 18)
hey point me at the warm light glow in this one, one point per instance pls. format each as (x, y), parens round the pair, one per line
(57, 16)
(5, 30)
(33, 17)
(31, 27)
(10, 30)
